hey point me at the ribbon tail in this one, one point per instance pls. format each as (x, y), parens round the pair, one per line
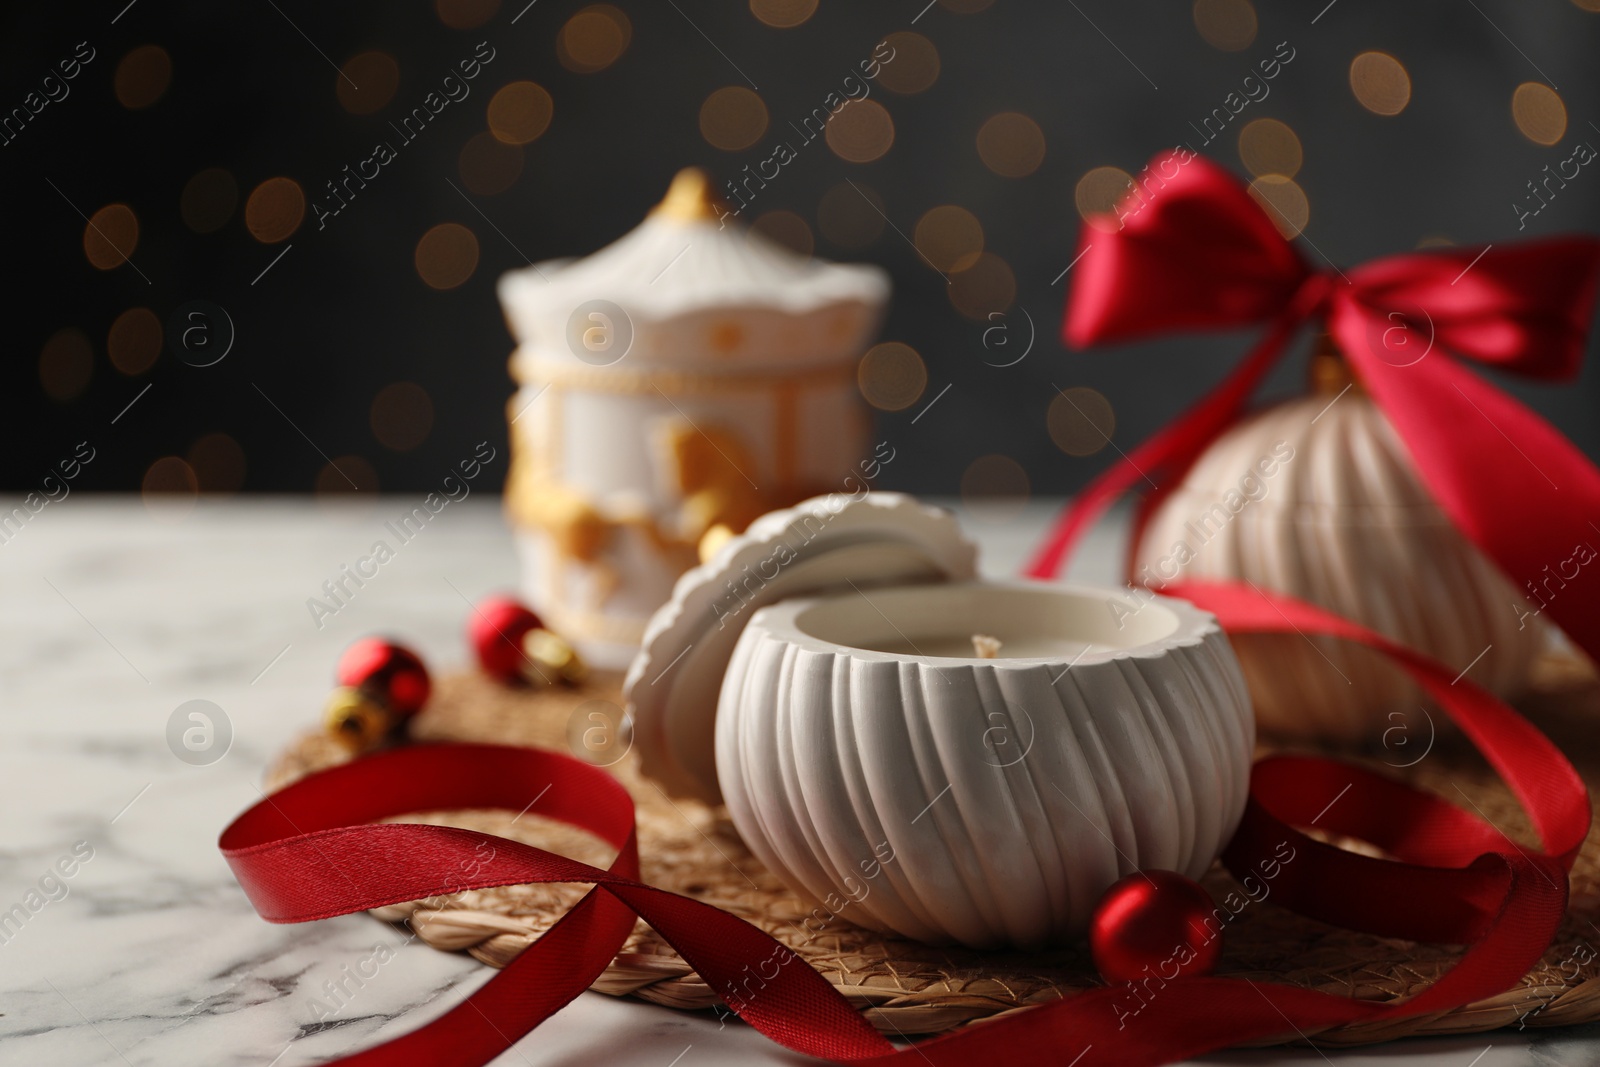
(1454, 877)
(1518, 489)
(534, 986)
(1168, 452)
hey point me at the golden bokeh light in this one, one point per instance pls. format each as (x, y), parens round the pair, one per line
(142, 76)
(733, 118)
(1081, 421)
(966, 7)
(66, 363)
(367, 82)
(401, 416)
(344, 479)
(209, 200)
(891, 376)
(1539, 113)
(949, 237)
(915, 65)
(1226, 24)
(488, 165)
(1380, 83)
(860, 131)
(1587, 5)
(218, 464)
(787, 229)
(111, 236)
(447, 255)
(520, 112)
(1011, 144)
(851, 215)
(995, 489)
(1097, 193)
(275, 210)
(593, 39)
(1283, 201)
(134, 341)
(783, 14)
(1267, 146)
(465, 14)
(986, 288)
(169, 489)
(1436, 240)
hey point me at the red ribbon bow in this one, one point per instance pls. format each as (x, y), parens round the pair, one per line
(1194, 251)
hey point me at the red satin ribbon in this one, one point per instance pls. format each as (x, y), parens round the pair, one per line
(310, 852)
(1194, 251)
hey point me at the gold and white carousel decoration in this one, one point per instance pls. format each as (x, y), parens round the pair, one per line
(672, 387)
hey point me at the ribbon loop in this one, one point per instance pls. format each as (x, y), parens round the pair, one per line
(1186, 249)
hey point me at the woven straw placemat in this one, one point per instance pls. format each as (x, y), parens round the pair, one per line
(906, 988)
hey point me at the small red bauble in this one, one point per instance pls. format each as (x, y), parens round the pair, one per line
(389, 673)
(1155, 924)
(513, 646)
(496, 629)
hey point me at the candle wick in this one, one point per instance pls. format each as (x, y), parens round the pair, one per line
(985, 647)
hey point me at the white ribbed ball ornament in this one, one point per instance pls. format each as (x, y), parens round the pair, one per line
(1317, 498)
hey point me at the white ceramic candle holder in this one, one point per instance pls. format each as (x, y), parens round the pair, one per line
(880, 767)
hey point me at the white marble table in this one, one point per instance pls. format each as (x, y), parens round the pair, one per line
(110, 618)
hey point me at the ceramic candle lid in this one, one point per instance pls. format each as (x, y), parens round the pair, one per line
(822, 545)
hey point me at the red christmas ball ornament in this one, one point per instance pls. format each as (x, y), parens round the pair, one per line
(390, 673)
(496, 628)
(1155, 924)
(381, 684)
(513, 645)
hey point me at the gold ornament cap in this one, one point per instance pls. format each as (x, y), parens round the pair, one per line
(355, 721)
(1330, 372)
(551, 659)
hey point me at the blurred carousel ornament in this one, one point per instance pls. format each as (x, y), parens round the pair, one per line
(672, 387)
(381, 685)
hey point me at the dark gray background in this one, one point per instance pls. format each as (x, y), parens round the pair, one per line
(344, 313)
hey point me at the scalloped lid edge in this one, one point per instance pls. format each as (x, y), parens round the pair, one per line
(820, 545)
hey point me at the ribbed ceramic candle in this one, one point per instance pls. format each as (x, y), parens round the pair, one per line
(883, 770)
